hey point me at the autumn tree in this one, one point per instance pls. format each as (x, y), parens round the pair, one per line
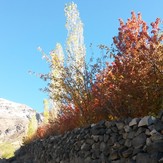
(31, 130)
(71, 78)
(46, 111)
(134, 81)
(67, 71)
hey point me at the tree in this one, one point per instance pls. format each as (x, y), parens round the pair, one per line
(32, 128)
(46, 112)
(133, 83)
(61, 90)
(75, 41)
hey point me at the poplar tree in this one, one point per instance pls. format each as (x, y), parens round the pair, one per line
(46, 111)
(32, 126)
(67, 71)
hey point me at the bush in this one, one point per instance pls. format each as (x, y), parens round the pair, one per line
(133, 83)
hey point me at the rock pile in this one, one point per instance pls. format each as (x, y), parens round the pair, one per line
(138, 140)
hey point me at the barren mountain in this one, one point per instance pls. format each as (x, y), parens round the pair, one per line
(14, 119)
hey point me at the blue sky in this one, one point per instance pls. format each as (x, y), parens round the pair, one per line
(27, 24)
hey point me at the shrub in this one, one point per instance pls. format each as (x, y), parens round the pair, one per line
(133, 83)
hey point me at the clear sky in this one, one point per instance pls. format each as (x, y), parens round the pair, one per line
(27, 24)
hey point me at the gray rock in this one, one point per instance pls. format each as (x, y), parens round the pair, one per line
(147, 132)
(106, 138)
(114, 129)
(144, 158)
(108, 131)
(125, 135)
(120, 125)
(114, 155)
(158, 126)
(85, 147)
(95, 137)
(88, 160)
(136, 151)
(90, 141)
(161, 160)
(134, 122)
(155, 147)
(156, 135)
(96, 146)
(131, 135)
(146, 121)
(148, 141)
(122, 141)
(116, 145)
(140, 130)
(128, 143)
(127, 128)
(139, 141)
(127, 153)
(108, 124)
(102, 146)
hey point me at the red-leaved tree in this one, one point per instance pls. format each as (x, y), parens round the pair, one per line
(133, 83)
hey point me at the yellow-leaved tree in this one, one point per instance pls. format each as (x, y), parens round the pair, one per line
(32, 128)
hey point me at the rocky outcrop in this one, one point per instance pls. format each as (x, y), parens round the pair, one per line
(138, 140)
(14, 119)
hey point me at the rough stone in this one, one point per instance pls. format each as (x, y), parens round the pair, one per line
(135, 144)
(128, 143)
(120, 125)
(108, 124)
(158, 126)
(144, 158)
(134, 122)
(155, 147)
(139, 141)
(95, 137)
(114, 155)
(102, 146)
(146, 121)
(85, 147)
(127, 128)
(131, 135)
(161, 160)
(156, 135)
(106, 138)
(127, 153)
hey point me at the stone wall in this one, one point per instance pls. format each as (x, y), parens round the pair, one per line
(138, 140)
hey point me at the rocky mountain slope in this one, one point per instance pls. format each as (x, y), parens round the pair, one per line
(14, 119)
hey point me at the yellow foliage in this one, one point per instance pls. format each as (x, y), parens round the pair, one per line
(6, 150)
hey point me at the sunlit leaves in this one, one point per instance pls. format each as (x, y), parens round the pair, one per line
(134, 81)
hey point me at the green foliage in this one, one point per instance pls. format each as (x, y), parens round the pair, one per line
(7, 150)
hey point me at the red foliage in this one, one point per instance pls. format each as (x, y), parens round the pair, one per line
(133, 84)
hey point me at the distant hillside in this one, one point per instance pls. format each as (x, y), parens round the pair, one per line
(14, 119)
